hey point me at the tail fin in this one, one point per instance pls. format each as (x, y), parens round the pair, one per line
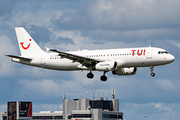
(26, 44)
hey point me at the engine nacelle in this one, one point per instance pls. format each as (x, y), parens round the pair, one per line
(106, 66)
(120, 63)
(125, 71)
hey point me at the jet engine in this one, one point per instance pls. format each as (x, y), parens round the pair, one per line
(106, 66)
(125, 71)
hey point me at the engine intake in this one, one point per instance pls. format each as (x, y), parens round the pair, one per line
(125, 71)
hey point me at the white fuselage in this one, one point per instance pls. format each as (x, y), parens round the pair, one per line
(119, 61)
(132, 57)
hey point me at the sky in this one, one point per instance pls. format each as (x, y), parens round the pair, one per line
(95, 24)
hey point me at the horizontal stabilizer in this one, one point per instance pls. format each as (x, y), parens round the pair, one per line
(18, 57)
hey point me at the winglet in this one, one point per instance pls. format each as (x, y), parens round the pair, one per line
(47, 49)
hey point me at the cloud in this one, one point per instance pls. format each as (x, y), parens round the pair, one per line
(160, 106)
(45, 87)
(6, 7)
(121, 15)
(6, 66)
(31, 15)
(48, 87)
(46, 107)
(168, 85)
(3, 107)
(175, 43)
(164, 110)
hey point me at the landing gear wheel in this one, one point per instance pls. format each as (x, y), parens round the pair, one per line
(103, 78)
(152, 74)
(90, 75)
(152, 69)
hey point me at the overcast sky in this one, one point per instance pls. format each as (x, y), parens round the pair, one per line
(95, 24)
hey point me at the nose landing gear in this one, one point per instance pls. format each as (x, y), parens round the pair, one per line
(152, 69)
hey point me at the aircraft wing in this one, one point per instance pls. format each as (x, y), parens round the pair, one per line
(76, 58)
(18, 57)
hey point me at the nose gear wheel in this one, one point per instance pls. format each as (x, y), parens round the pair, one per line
(152, 69)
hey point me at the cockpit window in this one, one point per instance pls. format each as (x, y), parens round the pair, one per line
(162, 52)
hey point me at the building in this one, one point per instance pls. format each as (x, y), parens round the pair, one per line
(86, 109)
(3, 115)
(48, 115)
(81, 109)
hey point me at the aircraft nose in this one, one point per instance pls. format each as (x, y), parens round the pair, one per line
(171, 58)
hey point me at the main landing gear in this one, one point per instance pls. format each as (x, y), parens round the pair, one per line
(91, 75)
(103, 77)
(152, 74)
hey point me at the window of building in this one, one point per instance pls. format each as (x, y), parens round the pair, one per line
(47, 117)
(4, 117)
(81, 115)
(112, 116)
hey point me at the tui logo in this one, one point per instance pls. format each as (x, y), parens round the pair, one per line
(25, 48)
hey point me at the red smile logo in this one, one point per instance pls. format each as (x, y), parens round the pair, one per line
(25, 48)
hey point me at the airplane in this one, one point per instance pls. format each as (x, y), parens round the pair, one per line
(118, 61)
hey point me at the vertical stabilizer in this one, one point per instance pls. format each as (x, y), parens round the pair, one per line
(26, 43)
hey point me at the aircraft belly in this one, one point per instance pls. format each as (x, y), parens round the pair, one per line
(155, 61)
(35, 62)
(140, 62)
(61, 64)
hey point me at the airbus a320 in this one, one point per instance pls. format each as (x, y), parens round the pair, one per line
(118, 61)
